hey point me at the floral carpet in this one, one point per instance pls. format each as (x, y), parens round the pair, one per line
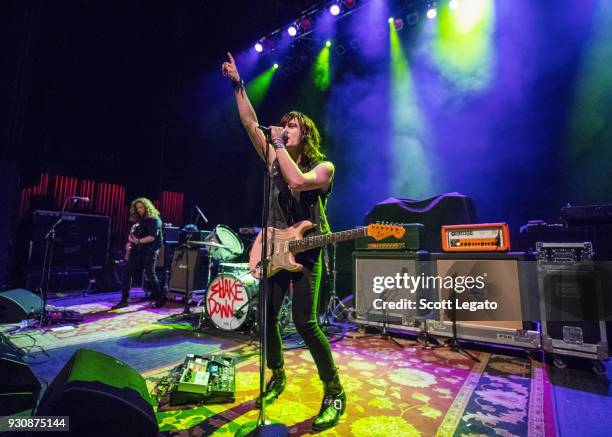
(391, 392)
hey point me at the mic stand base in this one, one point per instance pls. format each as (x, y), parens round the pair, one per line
(383, 334)
(454, 345)
(267, 429)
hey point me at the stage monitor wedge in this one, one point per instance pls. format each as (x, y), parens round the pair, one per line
(102, 396)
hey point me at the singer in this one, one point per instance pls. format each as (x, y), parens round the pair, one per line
(301, 182)
(143, 245)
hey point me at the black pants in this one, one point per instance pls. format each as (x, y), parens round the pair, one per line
(139, 261)
(304, 313)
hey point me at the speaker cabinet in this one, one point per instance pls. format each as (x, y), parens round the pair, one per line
(507, 279)
(102, 396)
(18, 304)
(19, 387)
(572, 308)
(189, 270)
(372, 303)
(82, 240)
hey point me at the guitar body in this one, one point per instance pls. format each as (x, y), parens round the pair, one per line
(129, 246)
(278, 240)
(283, 244)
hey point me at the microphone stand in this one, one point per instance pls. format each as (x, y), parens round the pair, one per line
(453, 343)
(45, 274)
(261, 427)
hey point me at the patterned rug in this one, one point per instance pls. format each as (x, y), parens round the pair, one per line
(391, 392)
(102, 323)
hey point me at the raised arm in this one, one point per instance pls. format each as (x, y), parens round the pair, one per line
(245, 109)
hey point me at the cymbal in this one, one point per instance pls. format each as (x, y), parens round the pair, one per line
(205, 243)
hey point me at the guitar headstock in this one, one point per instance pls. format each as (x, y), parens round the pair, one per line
(380, 231)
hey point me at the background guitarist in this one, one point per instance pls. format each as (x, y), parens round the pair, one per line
(142, 249)
(301, 182)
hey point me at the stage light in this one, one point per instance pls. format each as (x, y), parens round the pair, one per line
(398, 23)
(432, 12)
(390, 20)
(334, 9)
(258, 47)
(328, 43)
(412, 18)
(275, 66)
(349, 3)
(305, 23)
(292, 30)
(454, 4)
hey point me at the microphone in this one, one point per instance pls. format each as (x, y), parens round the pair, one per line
(267, 130)
(201, 213)
(81, 198)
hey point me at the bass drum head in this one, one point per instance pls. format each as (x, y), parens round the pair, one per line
(233, 247)
(230, 301)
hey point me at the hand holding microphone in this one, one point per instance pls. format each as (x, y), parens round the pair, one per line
(277, 134)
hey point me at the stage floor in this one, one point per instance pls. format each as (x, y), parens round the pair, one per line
(391, 391)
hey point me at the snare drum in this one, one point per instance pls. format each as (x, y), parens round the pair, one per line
(232, 245)
(231, 301)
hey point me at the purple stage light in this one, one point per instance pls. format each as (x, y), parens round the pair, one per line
(334, 9)
(292, 30)
(258, 47)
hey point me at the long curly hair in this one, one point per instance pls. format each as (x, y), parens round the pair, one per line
(311, 139)
(150, 210)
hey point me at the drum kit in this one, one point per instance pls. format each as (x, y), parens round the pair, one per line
(231, 296)
(230, 300)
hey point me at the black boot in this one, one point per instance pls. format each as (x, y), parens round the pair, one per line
(332, 407)
(274, 387)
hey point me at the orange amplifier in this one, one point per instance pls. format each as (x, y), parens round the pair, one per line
(483, 237)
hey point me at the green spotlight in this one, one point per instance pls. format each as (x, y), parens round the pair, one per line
(275, 66)
(258, 86)
(321, 70)
(390, 20)
(411, 174)
(463, 44)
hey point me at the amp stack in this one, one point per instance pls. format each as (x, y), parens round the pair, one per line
(572, 303)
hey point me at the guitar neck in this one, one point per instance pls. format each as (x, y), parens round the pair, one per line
(325, 239)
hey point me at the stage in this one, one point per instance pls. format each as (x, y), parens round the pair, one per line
(407, 391)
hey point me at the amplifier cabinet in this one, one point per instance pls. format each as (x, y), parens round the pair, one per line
(81, 240)
(372, 301)
(507, 279)
(572, 310)
(189, 271)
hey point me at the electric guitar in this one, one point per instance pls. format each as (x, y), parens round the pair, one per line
(283, 244)
(129, 246)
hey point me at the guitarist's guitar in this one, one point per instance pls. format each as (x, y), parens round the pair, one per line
(129, 246)
(283, 244)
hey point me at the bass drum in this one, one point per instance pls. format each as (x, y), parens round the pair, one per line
(232, 246)
(231, 301)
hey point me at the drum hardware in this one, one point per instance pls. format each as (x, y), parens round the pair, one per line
(335, 307)
(285, 314)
